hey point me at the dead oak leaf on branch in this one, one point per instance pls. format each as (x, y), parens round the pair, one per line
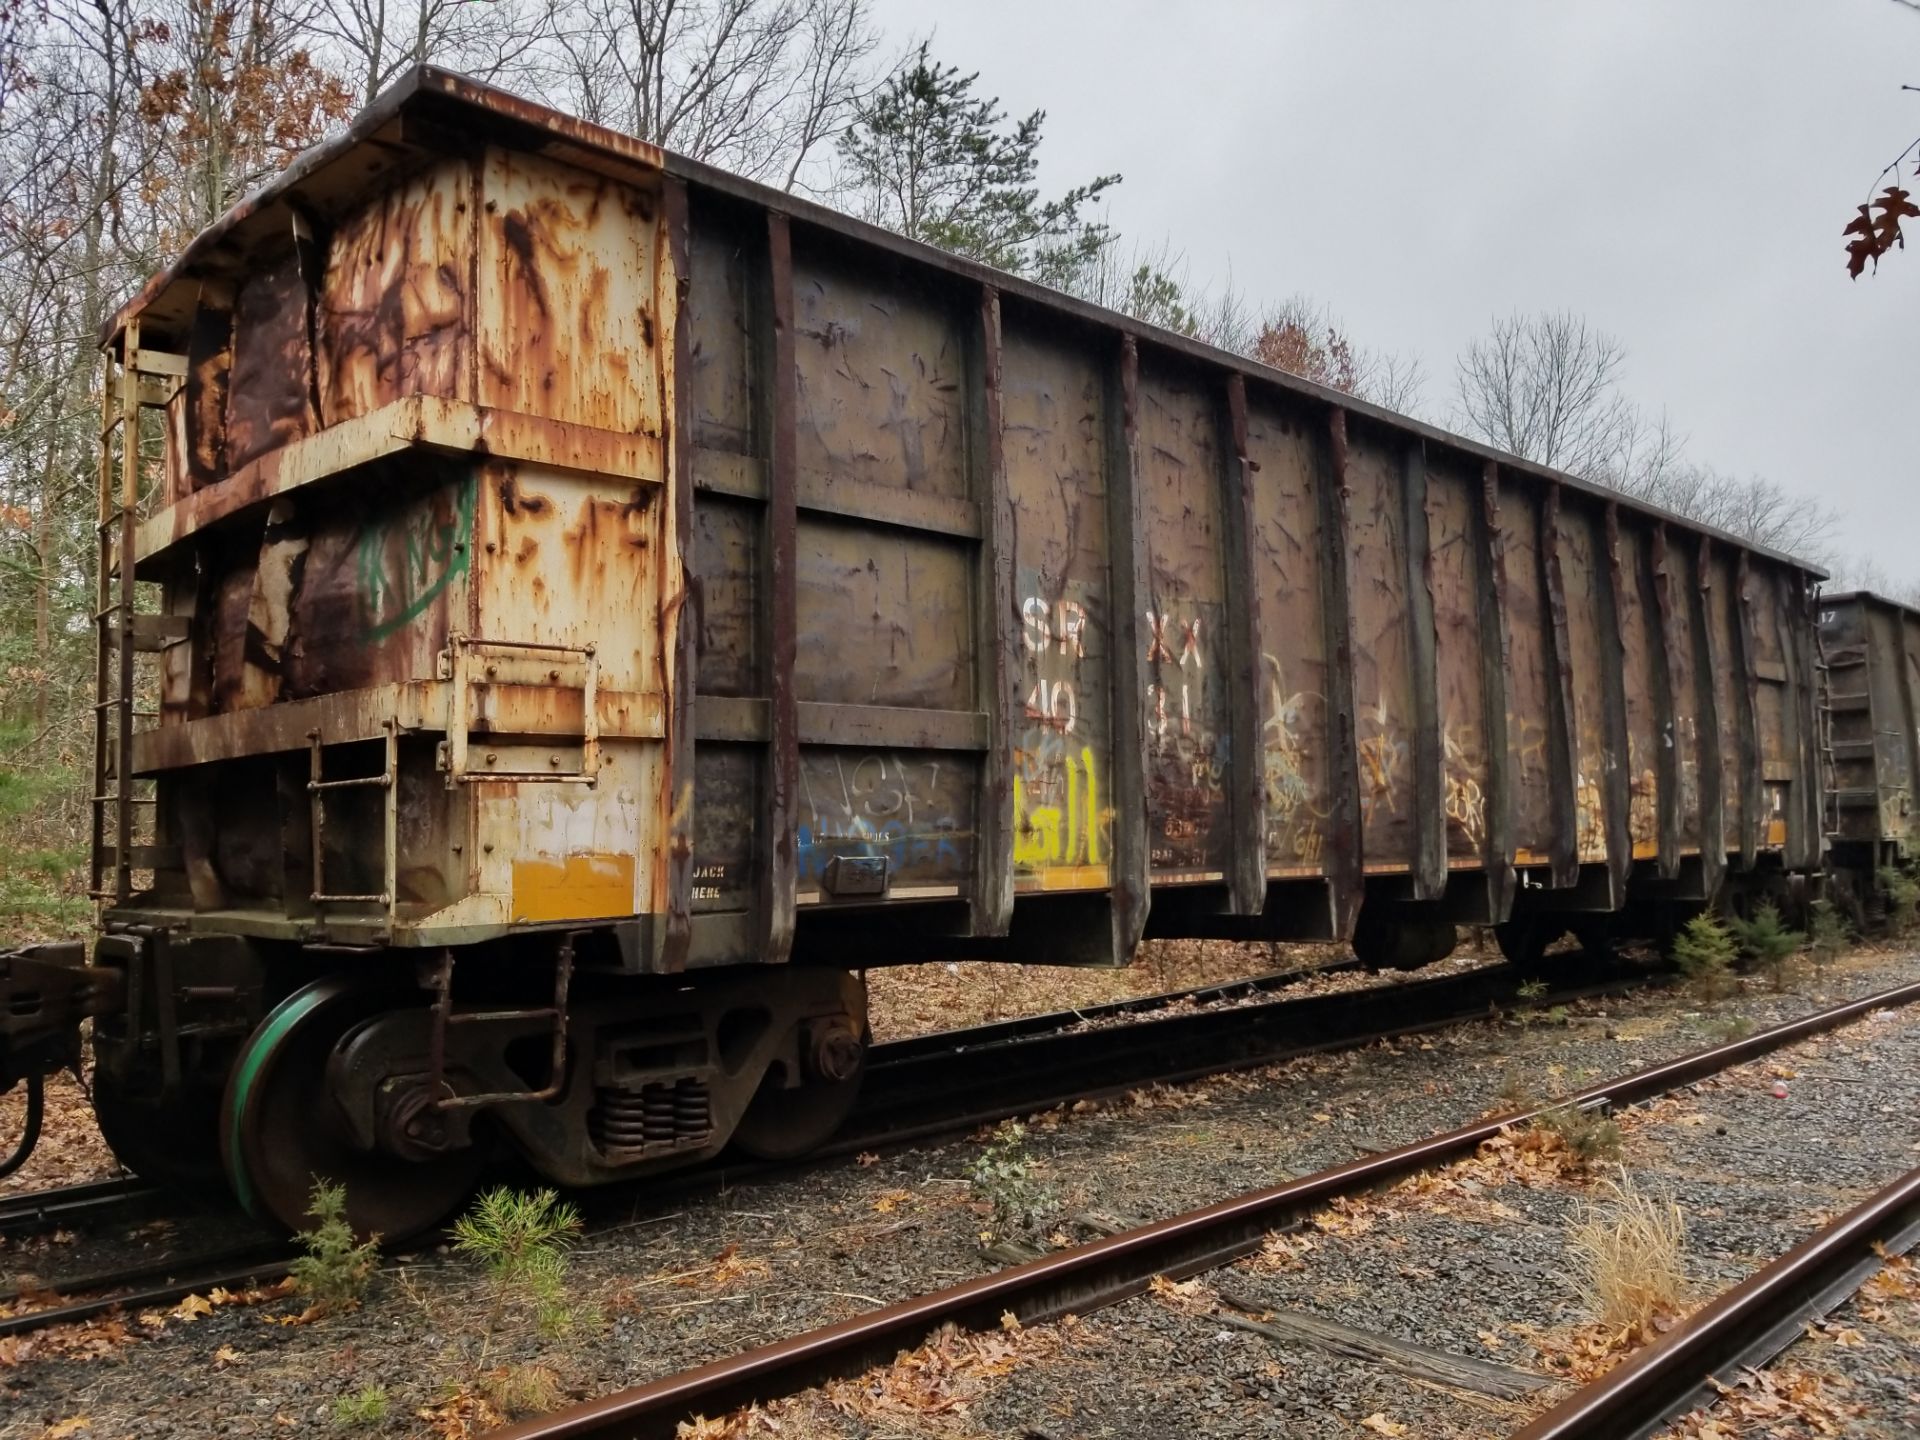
(1874, 235)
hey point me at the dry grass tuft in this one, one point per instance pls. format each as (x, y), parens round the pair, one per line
(522, 1389)
(1632, 1250)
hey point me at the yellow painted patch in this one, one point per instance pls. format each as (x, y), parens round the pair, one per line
(1776, 832)
(1074, 877)
(576, 887)
(1646, 849)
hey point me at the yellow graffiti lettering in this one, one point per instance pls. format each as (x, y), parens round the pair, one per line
(1046, 835)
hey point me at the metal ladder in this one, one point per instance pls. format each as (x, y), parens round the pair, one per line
(387, 781)
(135, 379)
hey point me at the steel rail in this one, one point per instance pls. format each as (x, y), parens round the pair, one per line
(180, 1281)
(1025, 1026)
(1102, 1272)
(914, 1093)
(1747, 1326)
(32, 1210)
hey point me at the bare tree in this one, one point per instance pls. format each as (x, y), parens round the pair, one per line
(1546, 388)
(1858, 572)
(1148, 283)
(72, 165)
(373, 41)
(755, 86)
(1756, 509)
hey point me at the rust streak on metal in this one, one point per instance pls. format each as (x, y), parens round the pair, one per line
(1132, 894)
(1746, 639)
(1245, 645)
(1617, 779)
(1496, 663)
(998, 627)
(678, 618)
(778, 876)
(1707, 662)
(1561, 753)
(1423, 643)
(1343, 859)
(1671, 680)
(1803, 611)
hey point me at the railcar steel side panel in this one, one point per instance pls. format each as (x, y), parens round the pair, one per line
(755, 583)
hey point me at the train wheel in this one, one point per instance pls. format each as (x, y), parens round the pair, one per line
(1382, 943)
(783, 1121)
(1524, 942)
(177, 1144)
(281, 1133)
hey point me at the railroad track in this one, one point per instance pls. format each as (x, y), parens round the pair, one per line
(36, 1211)
(1746, 1326)
(937, 1084)
(1103, 1272)
(930, 1085)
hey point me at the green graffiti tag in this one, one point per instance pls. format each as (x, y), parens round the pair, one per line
(407, 558)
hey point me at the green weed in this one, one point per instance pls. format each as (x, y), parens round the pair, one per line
(1003, 1177)
(1589, 1134)
(1729, 1028)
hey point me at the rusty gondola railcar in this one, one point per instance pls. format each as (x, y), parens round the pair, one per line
(1871, 649)
(600, 605)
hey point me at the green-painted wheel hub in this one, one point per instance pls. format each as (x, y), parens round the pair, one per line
(282, 1134)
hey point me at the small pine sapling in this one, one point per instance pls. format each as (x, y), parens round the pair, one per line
(1768, 943)
(337, 1269)
(1705, 953)
(1828, 933)
(521, 1240)
(1729, 1028)
(363, 1407)
(1902, 894)
(522, 1389)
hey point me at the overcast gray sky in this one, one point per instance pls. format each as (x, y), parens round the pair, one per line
(1677, 172)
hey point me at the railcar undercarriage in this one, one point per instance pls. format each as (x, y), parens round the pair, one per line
(219, 1061)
